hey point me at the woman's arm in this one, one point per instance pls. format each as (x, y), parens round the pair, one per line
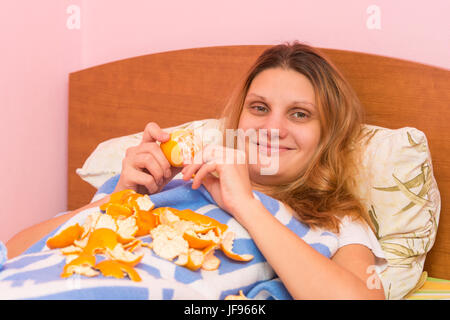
(24, 239)
(306, 273)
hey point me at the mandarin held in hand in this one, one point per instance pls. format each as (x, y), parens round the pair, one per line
(181, 147)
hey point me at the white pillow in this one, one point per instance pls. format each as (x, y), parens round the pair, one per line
(106, 160)
(405, 214)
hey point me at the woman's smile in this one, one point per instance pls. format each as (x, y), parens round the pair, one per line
(267, 149)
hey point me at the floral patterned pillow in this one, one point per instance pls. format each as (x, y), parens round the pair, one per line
(395, 182)
(397, 185)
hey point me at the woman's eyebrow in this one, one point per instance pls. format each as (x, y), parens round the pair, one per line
(304, 102)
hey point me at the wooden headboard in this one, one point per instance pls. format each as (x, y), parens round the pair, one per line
(170, 88)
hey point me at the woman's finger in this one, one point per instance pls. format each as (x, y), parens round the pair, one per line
(190, 170)
(140, 178)
(153, 132)
(155, 150)
(131, 151)
(147, 181)
(148, 161)
(204, 170)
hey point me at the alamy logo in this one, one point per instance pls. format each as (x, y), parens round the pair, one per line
(373, 281)
(374, 20)
(262, 148)
(74, 20)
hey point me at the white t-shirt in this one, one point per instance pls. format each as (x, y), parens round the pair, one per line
(355, 232)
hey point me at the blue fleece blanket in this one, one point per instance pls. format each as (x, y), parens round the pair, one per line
(36, 273)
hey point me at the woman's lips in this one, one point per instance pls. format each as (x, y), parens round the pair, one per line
(268, 149)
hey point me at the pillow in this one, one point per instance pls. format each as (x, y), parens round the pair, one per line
(395, 182)
(397, 186)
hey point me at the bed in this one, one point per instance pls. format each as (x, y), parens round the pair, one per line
(171, 88)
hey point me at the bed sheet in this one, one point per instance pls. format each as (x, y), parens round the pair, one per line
(432, 289)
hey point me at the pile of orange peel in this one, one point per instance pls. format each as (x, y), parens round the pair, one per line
(183, 236)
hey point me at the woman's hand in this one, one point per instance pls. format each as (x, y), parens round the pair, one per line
(145, 169)
(232, 187)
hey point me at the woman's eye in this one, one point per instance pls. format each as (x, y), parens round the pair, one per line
(300, 115)
(259, 108)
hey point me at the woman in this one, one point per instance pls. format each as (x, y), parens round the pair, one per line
(295, 93)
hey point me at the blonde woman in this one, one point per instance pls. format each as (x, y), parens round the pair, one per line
(313, 122)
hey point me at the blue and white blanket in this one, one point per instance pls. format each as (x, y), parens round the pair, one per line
(36, 273)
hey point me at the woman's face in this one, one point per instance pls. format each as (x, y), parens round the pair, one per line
(281, 99)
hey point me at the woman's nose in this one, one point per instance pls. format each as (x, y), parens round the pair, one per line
(275, 126)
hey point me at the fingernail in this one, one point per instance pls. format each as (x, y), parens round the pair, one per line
(165, 136)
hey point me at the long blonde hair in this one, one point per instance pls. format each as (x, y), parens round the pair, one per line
(324, 191)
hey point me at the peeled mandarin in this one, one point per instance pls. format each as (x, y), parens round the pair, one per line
(180, 147)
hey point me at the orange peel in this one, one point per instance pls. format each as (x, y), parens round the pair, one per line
(82, 265)
(240, 296)
(200, 219)
(124, 256)
(204, 222)
(72, 249)
(184, 235)
(116, 269)
(100, 240)
(105, 221)
(133, 245)
(169, 246)
(119, 197)
(145, 221)
(226, 246)
(116, 210)
(202, 234)
(195, 259)
(210, 262)
(143, 203)
(126, 229)
(195, 242)
(66, 237)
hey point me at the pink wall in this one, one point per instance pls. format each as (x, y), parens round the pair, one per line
(39, 49)
(37, 52)
(410, 29)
